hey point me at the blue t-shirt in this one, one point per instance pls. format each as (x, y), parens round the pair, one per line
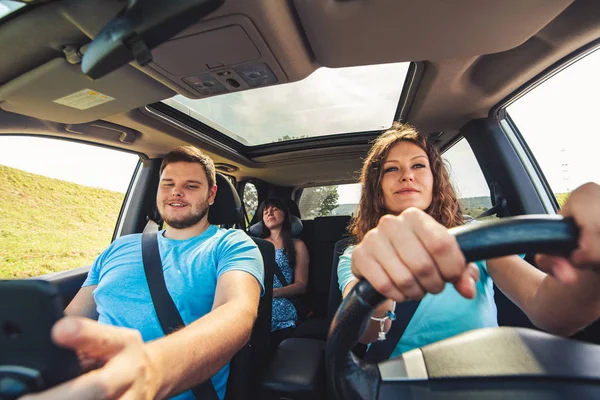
(191, 269)
(439, 316)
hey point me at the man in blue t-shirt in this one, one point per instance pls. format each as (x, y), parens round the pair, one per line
(214, 276)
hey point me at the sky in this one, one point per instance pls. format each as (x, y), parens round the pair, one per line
(69, 161)
(564, 133)
(7, 6)
(558, 119)
(330, 100)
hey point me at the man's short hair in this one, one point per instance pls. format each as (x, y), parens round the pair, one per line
(191, 154)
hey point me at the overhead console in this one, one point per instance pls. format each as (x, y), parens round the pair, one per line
(218, 56)
(242, 45)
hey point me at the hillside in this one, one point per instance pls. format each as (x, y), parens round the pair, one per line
(49, 225)
(474, 206)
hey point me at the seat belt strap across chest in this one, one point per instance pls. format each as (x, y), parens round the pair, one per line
(166, 311)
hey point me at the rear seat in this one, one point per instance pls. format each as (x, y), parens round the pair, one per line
(297, 369)
(320, 238)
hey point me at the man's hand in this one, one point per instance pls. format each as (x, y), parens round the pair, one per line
(584, 207)
(125, 370)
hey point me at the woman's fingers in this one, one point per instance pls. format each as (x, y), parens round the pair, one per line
(558, 267)
(583, 206)
(364, 264)
(410, 255)
(419, 268)
(473, 270)
(443, 249)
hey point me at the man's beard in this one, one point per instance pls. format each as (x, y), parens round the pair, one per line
(189, 220)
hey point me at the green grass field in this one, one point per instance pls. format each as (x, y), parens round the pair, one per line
(48, 225)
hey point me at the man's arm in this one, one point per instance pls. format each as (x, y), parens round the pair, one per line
(196, 352)
(83, 304)
(132, 369)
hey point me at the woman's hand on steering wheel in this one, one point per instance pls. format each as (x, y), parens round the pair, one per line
(583, 205)
(410, 255)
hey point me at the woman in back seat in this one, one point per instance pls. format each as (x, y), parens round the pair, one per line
(405, 251)
(291, 256)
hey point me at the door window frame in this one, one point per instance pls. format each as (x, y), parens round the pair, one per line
(500, 117)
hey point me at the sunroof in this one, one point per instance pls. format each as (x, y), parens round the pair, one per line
(331, 101)
(8, 7)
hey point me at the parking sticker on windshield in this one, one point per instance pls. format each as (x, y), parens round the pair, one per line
(84, 99)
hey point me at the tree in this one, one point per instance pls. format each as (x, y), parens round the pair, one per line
(250, 199)
(330, 202)
(285, 138)
(319, 201)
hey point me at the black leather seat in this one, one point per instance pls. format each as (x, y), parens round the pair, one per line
(317, 328)
(297, 371)
(249, 364)
(320, 239)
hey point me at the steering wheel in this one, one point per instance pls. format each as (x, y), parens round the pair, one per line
(513, 363)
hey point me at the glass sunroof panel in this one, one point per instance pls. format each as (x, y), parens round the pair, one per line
(328, 102)
(8, 7)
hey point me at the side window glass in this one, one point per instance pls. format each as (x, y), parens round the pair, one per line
(250, 198)
(559, 121)
(59, 203)
(468, 180)
(322, 201)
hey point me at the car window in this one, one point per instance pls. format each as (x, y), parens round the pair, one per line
(559, 122)
(59, 203)
(321, 201)
(468, 180)
(250, 199)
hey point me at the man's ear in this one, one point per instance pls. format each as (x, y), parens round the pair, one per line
(212, 193)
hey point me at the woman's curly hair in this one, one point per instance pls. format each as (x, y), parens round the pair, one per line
(444, 206)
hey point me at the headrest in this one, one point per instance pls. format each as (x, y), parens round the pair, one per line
(293, 207)
(227, 208)
(331, 228)
(256, 229)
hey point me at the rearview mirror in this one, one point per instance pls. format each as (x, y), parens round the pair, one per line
(141, 26)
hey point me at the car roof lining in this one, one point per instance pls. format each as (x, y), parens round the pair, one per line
(451, 91)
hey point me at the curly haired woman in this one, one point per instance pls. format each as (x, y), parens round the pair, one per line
(404, 250)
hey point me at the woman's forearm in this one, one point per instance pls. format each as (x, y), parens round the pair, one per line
(293, 290)
(374, 327)
(566, 309)
(551, 305)
(372, 332)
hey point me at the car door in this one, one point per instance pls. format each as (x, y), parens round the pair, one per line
(541, 143)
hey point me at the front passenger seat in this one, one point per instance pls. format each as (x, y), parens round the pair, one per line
(249, 364)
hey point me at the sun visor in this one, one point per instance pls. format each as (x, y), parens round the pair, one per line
(343, 33)
(58, 91)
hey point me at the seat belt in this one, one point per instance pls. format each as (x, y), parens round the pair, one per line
(166, 311)
(279, 274)
(297, 302)
(381, 351)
